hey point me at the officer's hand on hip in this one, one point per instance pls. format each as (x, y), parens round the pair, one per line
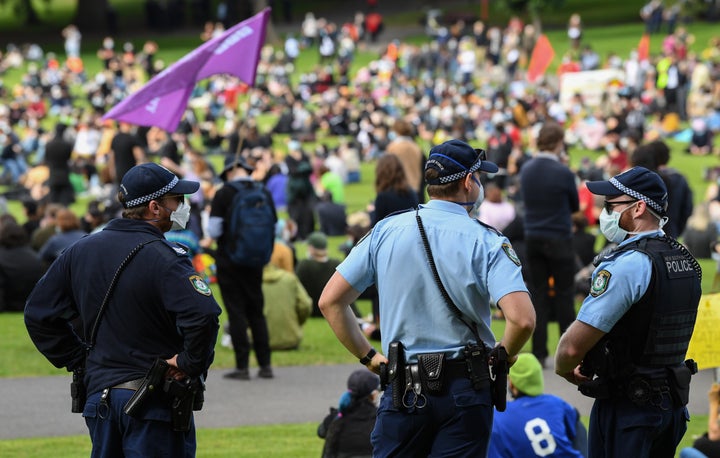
(174, 371)
(575, 377)
(374, 364)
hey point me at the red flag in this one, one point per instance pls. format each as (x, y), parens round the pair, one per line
(542, 55)
(643, 48)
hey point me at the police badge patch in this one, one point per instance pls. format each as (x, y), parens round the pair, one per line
(199, 285)
(508, 249)
(600, 284)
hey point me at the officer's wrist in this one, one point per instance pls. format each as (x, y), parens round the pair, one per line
(365, 360)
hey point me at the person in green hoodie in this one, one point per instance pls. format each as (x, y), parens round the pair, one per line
(287, 307)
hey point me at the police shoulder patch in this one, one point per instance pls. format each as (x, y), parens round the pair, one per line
(508, 249)
(600, 283)
(199, 285)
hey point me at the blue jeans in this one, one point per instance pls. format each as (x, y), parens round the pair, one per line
(455, 423)
(690, 452)
(117, 435)
(618, 427)
(15, 167)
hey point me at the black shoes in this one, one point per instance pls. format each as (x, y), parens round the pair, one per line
(244, 374)
(265, 372)
(238, 374)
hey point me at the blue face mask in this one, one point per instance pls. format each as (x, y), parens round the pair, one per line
(610, 225)
(475, 206)
(475, 210)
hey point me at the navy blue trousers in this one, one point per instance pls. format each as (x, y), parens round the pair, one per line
(618, 428)
(454, 423)
(116, 435)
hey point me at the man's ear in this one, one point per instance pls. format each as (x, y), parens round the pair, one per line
(468, 182)
(638, 210)
(154, 207)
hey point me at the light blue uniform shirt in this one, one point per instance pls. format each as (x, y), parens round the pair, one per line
(617, 284)
(474, 263)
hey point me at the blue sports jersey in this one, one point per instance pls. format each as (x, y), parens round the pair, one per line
(543, 425)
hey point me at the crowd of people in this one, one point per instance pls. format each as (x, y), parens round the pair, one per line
(466, 83)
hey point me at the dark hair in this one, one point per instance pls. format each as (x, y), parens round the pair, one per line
(551, 133)
(132, 213)
(66, 220)
(31, 206)
(662, 152)
(13, 235)
(403, 128)
(644, 156)
(390, 174)
(441, 190)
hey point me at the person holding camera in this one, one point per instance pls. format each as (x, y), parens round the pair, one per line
(628, 344)
(436, 270)
(124, 306)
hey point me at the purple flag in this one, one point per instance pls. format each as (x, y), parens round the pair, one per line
(162, 101)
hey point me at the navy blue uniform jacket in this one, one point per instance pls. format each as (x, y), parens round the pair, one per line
(160, 307)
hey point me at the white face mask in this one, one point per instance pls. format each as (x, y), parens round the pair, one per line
(610, 225)
(475, 210)
(180, 217)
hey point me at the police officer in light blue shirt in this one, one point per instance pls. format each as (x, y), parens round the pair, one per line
(633, 330)
(475, 264)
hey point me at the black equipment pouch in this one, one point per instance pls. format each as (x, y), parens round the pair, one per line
(598, 388)
(153, 383)
(477, 365)
(78, 391)
(499, 368)
(587, 369)
(199, 399)
(679, 377)
(187, 395)
(431, 365)
(393, 373)
(182, 394)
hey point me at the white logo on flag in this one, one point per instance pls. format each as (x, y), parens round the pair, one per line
(230, 41)
(152, 106)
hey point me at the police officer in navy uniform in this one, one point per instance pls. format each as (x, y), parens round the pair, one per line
(159, 308)
(475, 263)
(633, 330)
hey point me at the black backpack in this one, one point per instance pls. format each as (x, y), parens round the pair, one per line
(251, 225)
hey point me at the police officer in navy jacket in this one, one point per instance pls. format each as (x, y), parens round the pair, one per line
(159, 308)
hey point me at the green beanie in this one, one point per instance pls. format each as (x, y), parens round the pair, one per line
(526, 374)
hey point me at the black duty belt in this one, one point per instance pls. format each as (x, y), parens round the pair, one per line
(455, 368)
(130, 385)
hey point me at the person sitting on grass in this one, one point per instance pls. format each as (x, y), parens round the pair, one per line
(535, 424)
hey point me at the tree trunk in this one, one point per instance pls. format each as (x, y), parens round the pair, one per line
(271, 36)
(31, 17)
(92, 15)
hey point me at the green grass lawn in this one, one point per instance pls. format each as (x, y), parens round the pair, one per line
(291, 440)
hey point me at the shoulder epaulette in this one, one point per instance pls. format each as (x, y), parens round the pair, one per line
(399, 212)
(489, 227)
(178, 248)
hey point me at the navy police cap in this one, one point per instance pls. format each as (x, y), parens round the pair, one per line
(150, 181)
(454, 160)
(638, 183)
